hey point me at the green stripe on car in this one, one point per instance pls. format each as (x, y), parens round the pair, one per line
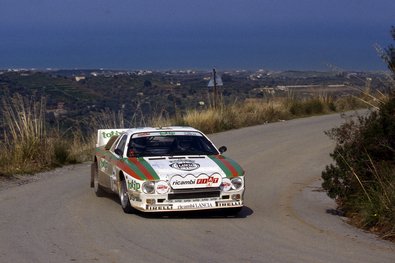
(135, 169)
(148, 167)
(221, 165)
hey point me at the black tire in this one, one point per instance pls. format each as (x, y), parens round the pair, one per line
(124, 198)
(92, 173)
(99, 191)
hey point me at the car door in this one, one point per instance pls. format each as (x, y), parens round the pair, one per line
(104, 162)
(117, 153)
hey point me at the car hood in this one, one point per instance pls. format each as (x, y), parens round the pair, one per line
(186, 171)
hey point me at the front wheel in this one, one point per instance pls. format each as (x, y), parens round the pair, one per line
(124, 198)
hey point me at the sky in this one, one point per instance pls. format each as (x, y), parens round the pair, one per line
(195, 34)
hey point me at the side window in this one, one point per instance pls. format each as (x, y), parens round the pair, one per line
(121, 145)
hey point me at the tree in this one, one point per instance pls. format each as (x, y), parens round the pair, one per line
(147, 84)
(389, 53)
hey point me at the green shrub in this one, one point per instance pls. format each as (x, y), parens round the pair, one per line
(362, 179)
(307, 107)
(348, 103)
(314, 106)
(61, 153)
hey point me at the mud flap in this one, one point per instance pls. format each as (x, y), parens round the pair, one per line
(93, 167)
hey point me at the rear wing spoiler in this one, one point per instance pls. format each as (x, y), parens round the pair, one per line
(104, 135)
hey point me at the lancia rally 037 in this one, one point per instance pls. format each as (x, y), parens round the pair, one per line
(166, 169)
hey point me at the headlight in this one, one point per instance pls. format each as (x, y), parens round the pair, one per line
(149, 187)
(237, 183)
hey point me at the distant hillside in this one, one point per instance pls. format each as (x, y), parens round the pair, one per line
(73, 94)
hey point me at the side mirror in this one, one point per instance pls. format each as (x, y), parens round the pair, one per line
(222, 149)
(118, 152)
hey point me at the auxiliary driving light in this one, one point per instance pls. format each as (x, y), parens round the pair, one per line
(236, 197)
(150, 201)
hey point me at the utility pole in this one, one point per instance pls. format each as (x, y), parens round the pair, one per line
(214, 82)
(215, 88)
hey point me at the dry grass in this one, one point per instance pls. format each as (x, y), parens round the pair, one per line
(28, 146)
(25, 141)
(31, 146)
(254, 112)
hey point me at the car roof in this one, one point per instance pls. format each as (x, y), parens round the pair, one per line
(162, 129)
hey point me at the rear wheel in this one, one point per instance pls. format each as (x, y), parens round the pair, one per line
(99, 191)
(124, 198)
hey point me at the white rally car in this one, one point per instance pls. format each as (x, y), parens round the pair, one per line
(166, 169)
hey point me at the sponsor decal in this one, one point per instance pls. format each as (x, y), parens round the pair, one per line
(167, 133)
(141, 134)
(184, 165)
(133, 185)
(162, 187)
(104, 135)
(229, 204)
(159, 207)
(110, 134)
(191, 181)
(200, 205)
(103, 164)
(192, 134)
(207, 181)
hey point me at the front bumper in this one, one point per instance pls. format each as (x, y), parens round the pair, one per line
(188, 200)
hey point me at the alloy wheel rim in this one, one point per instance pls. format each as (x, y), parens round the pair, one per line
(123, 195)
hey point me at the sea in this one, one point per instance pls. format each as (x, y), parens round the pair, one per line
(258, 47)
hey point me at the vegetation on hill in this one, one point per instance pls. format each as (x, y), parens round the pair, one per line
(33, 144)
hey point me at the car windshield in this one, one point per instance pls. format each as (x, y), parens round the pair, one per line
(170, 146)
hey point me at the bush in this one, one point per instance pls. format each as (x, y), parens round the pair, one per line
(308, 107)
(61, 153)
(362, 179)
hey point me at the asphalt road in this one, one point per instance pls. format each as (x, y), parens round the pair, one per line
(58, 218)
